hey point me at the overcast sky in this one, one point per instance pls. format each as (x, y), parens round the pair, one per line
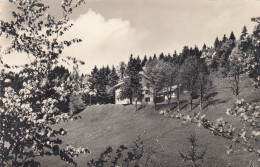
(113, 29)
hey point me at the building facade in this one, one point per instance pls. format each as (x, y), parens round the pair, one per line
(147, 95)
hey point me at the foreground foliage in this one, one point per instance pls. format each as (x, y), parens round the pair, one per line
(28, 113)
(138, 154)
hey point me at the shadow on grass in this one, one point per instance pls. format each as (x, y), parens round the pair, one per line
(214, 102)
(184, 104)
(195, 105)
(174, 105)
(210, 96)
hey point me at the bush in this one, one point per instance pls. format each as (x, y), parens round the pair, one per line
(193, 157)
(136, 155)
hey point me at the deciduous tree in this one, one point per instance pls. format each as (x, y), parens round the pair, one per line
(28, 113)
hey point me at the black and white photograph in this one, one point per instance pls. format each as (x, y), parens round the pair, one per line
(130, 83)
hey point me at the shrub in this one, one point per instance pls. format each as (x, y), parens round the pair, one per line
(193, 158)
(136, 155)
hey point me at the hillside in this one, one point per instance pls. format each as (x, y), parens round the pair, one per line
(114, 125)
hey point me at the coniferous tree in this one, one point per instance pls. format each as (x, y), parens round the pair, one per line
(161, 56)
(150, 59)
(244, 33)
(196, 52)
(122, 69)
(107, 71)
(113, 80)
(168, 58)
(101, 85)
(175, 54)
(174, 58)
(232, 36)
(185, 53)
(138, 64)
(154, 57)
(224, 38)
(144, 61)
(204, 47)
(216, 43)
(132, 87)
(113, 77)
(93, 79)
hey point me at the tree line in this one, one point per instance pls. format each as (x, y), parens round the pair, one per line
(189, 70)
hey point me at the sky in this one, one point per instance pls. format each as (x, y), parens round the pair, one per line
(111, 30)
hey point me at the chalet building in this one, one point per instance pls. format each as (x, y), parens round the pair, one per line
(147, 95)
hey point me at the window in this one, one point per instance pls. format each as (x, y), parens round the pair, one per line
(147, 99)
(147, 92)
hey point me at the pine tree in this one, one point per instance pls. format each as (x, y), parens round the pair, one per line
(168, 58)
(216, 43)
(107, 71)
(101, 85)
(161, 56)
(232, 36)
(175, 54)
(204, 47)
(244, 33)
(144, 61)
(138, 64)
(113, 77)
(185, 53)
(174, 57)
(150, 59)
(122, 69)
(132, 87)
(196, 52)
(154, 57)
(113, 80)
(224, 38)
(93, 79)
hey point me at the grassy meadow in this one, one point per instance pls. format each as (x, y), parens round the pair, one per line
(114, 125)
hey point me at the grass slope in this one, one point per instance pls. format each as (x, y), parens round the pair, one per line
(114, 125)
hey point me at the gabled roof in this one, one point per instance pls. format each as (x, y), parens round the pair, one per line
(121, 82)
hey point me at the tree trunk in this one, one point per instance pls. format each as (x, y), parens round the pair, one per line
(201, 96)
(169, 103)
(178, 97)
(136, 105)
(154, 100)
(190, 101)
(169, 96)
(131, 100)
